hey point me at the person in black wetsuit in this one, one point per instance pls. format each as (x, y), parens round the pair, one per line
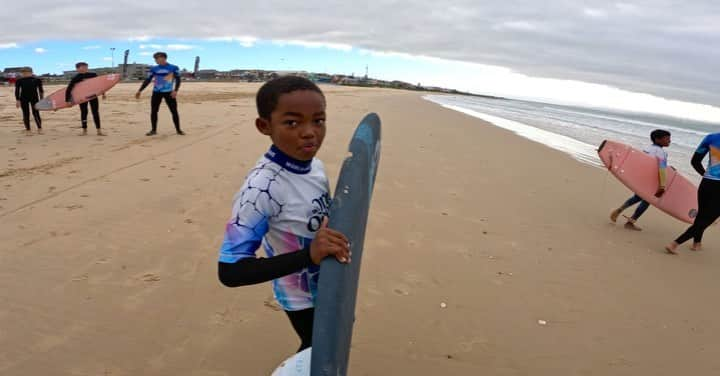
(28, 91)
(83, 74)
(166, 79)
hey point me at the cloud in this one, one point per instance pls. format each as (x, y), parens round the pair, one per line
(107, 58)
(309, 44)
(245, 41)
(595, 13)
(515, 26)
(168, 47)
(40, 50)
(142, 38)
(626, 7)
(657, 47)
(96, 47)
(8, 45)
(145, 53)
(180, 47)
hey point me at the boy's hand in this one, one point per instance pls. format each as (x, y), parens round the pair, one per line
(173, 94)
(104, 97)
(17, 104)
(329, 242)
(660, 192)
(137, 95)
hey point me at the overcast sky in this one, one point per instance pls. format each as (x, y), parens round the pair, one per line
(662, 47)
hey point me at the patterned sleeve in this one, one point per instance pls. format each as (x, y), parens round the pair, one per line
(253, 207)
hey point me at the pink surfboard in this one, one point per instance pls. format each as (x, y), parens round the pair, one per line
(82, 92)
(639, 172)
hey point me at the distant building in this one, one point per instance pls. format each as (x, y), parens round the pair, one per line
(12, 71)
(100, 71)
(134, 71)
(206, 74)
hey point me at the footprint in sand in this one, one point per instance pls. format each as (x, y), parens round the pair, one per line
(272, 304)
(80, 278)
(145, 179)
(401, 292)
(149, 277)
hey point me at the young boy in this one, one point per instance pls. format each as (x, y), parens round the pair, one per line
(660, 139)
(28, 91)
(165, 76)
(283, 205)
(83, 74)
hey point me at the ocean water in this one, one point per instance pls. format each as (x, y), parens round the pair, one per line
(579, 131)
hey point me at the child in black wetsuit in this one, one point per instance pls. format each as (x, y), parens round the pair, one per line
(83, 74)
(28, 91)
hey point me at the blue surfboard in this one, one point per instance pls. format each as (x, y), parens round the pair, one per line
(338, 284)
(337, 290)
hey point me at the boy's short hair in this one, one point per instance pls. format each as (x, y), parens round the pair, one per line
(658, 134)
(159, 54)
(80, 64)
(269, 94)
(26, 70)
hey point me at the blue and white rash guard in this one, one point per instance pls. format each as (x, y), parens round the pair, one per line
(280, 206)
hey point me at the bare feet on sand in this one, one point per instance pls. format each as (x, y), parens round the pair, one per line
(670, 248)
(696, 247)
(615, 214)
(99, 133)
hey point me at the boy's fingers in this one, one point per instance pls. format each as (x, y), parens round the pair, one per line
(336, 234)
(340, 243)
(324, 222)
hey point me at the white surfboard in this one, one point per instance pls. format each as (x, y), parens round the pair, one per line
(296, 365)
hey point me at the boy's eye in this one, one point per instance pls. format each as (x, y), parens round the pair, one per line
(320, 121)
(291, 123)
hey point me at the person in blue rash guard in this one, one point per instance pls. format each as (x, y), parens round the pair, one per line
(708, 193)
(283, 205)
(167, 80)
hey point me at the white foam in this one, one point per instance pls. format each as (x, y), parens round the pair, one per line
(579, 150)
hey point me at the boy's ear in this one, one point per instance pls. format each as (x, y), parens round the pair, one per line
(263, 126)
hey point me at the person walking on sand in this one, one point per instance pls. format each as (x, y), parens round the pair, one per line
(166, 85)
(29, 91)
(283, 205)
(708, 194)
(83, 74)
(660, 139)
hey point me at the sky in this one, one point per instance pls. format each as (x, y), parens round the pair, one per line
(656, 56)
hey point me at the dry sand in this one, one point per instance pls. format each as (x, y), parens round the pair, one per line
(108, 249)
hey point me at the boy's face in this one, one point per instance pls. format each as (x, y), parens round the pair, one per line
(297, 125)
(161, 60)
(664, 141)
(82, 69)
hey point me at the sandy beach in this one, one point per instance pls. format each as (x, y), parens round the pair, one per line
(108, 250)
